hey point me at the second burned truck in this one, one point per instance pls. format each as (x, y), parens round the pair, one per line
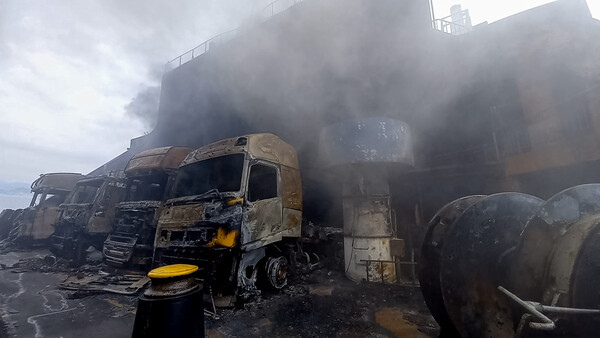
(236, 212)
(85, 219)
(149, 178)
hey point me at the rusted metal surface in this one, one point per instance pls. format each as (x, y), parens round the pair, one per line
(475, 260)
(263, 223)
(559, 249)
(431, 251)
(585, 284)
(290, 181)
(160, 159)
(547, 228)
(56, 182)
(259, 146)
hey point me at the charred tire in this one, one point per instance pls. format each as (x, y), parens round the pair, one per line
(273, 273)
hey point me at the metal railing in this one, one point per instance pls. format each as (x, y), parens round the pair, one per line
(266, 13)
(455, 24)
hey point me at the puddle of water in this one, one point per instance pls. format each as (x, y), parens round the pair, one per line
(391, 319)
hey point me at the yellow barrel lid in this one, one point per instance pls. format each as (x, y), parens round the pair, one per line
(174, 270)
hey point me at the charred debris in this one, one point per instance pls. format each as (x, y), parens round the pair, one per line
(352, 166)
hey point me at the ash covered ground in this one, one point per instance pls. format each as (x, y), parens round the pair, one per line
(321, 303)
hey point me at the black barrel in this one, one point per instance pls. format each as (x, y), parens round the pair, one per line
(171, 307)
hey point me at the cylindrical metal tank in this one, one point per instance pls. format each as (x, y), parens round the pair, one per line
(474, 261)
(558, 256)
(362, 154)
(172, 306)
(511, 264)
(429, 263)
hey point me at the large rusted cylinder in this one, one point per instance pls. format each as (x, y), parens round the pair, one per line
(466, 255)
(558, 256)
(362, 154)
(429, 263)
(475, 259)
(510, 264)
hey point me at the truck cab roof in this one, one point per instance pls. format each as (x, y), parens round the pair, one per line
(56, 182)
(161, 159)
(264, 146)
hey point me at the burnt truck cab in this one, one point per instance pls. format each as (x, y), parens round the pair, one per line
(236, 210)
(149, 178)
(36, 223)
(86, 218)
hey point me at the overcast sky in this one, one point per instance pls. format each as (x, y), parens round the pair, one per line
(70, 69)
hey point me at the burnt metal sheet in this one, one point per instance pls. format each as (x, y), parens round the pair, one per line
(544, 231)
(56, 182)
(123, 284)
(475, 260)
(291, 188)
(262, 219)
(258, 146)
(431, 251)
(367, 140)
(163, 158)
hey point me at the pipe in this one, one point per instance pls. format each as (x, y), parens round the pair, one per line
(547, 324)
(567, 310)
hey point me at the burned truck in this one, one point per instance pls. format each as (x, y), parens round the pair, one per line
(149, 178)
(236, 212)
(86, 218)
(35, 224)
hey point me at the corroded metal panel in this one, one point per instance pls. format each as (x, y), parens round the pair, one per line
(548, 226)
(181, 215)
(291, 186)
(561, 268)
(292, 222)
(42, 227)
(262, 219)
(56, 181)
(259, 146)
(367, 217)
(358, 251)
(164, 158)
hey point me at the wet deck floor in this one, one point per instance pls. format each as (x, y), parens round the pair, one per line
(323, 303)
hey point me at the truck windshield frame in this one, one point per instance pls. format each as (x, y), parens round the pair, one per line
(146, 188)
(85, 193)
(223, 173)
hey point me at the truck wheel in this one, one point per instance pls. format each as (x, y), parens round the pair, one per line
(276, 270)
